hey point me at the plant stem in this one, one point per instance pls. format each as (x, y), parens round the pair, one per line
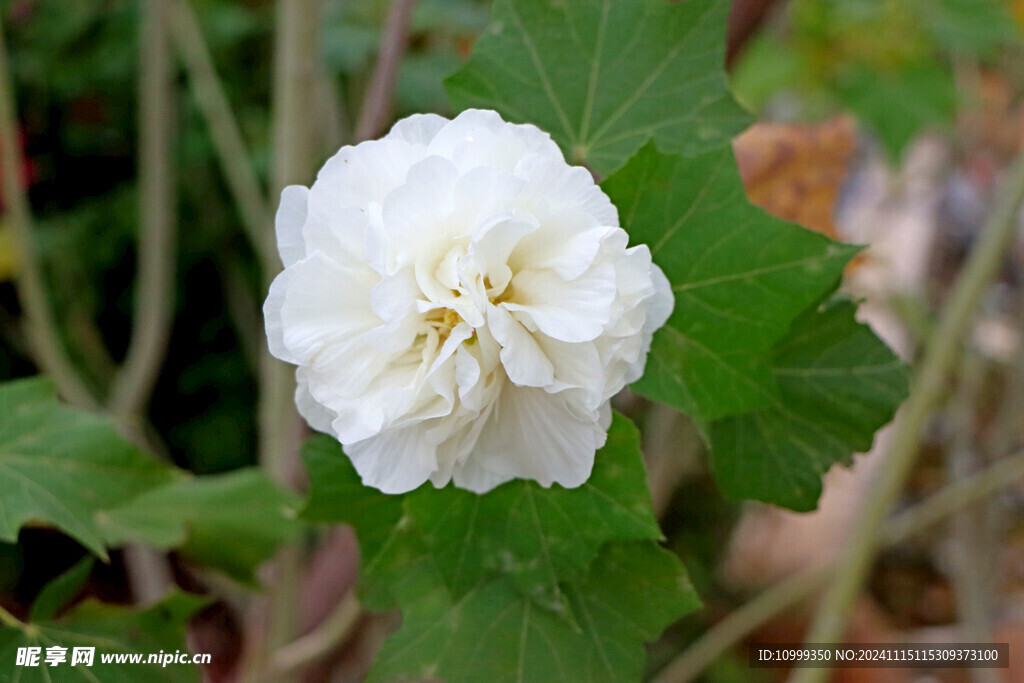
(971, 532)
(328, 635)
(295, 73)
(953, 498)
(43, 333)
(377, 103)
(8, 619)
(246, 189)
(148, 569)
(790, 592)
(153, 313)
(939, 360)
(738, 624)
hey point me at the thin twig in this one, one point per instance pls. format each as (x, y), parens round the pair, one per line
(970, 531)
(147, 569)
(43, 333)
(242, 309)
(939, 360)
(153, 315)
(311, 647)
(245, 187)
(740, 623)
(952, 498)
(671, 447)
(792, 591)
(334, 126)
(157, 248)
(149, 575)
(295, 74)
(8, 619)
(377, 104)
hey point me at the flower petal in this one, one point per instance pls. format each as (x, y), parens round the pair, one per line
(573, 311)
(563, 244)
(393, 299)
(491, 247)
(395, 461)
(417, 211)
(418, 129)
(556, 187)
(481, 193)
(340, 235)
(477, 138)
(289, 221)
(311, 410)
(523, 359)
(323, 303)
(576, 366)
(531, 434)
(364, 174)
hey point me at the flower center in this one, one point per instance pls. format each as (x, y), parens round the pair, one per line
(443, 320)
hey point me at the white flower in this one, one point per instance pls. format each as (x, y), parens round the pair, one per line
(461, 305)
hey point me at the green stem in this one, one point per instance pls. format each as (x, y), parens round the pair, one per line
(794, 590)
(331, 633)
(43, 333)
(929, 384)
(295, 72)
(972, 534)
(953, 498)
(8, 619)
(246, 190)
(153, 313)
(738, 624)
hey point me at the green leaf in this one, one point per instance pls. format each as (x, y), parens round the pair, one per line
(492, 633)
(838, 384)
(61, 590)
(536, 536)
(605, 76)
(969, 27)
(111, 630)
(739, 276)
(197, 515)
(337, 494)
(899, 104)
(494, 629)
(395, 563)
(58, 465)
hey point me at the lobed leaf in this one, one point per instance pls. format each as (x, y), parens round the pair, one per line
(111, 630)
(197, 514)
(739, 277)
(838, 384)
(61, 590)
(538, 537)
(59, 466)
(632, 591)
(393, 555)
(605, 76)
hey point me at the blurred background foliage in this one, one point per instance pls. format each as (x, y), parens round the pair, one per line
(74, 65)
(892, 63)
